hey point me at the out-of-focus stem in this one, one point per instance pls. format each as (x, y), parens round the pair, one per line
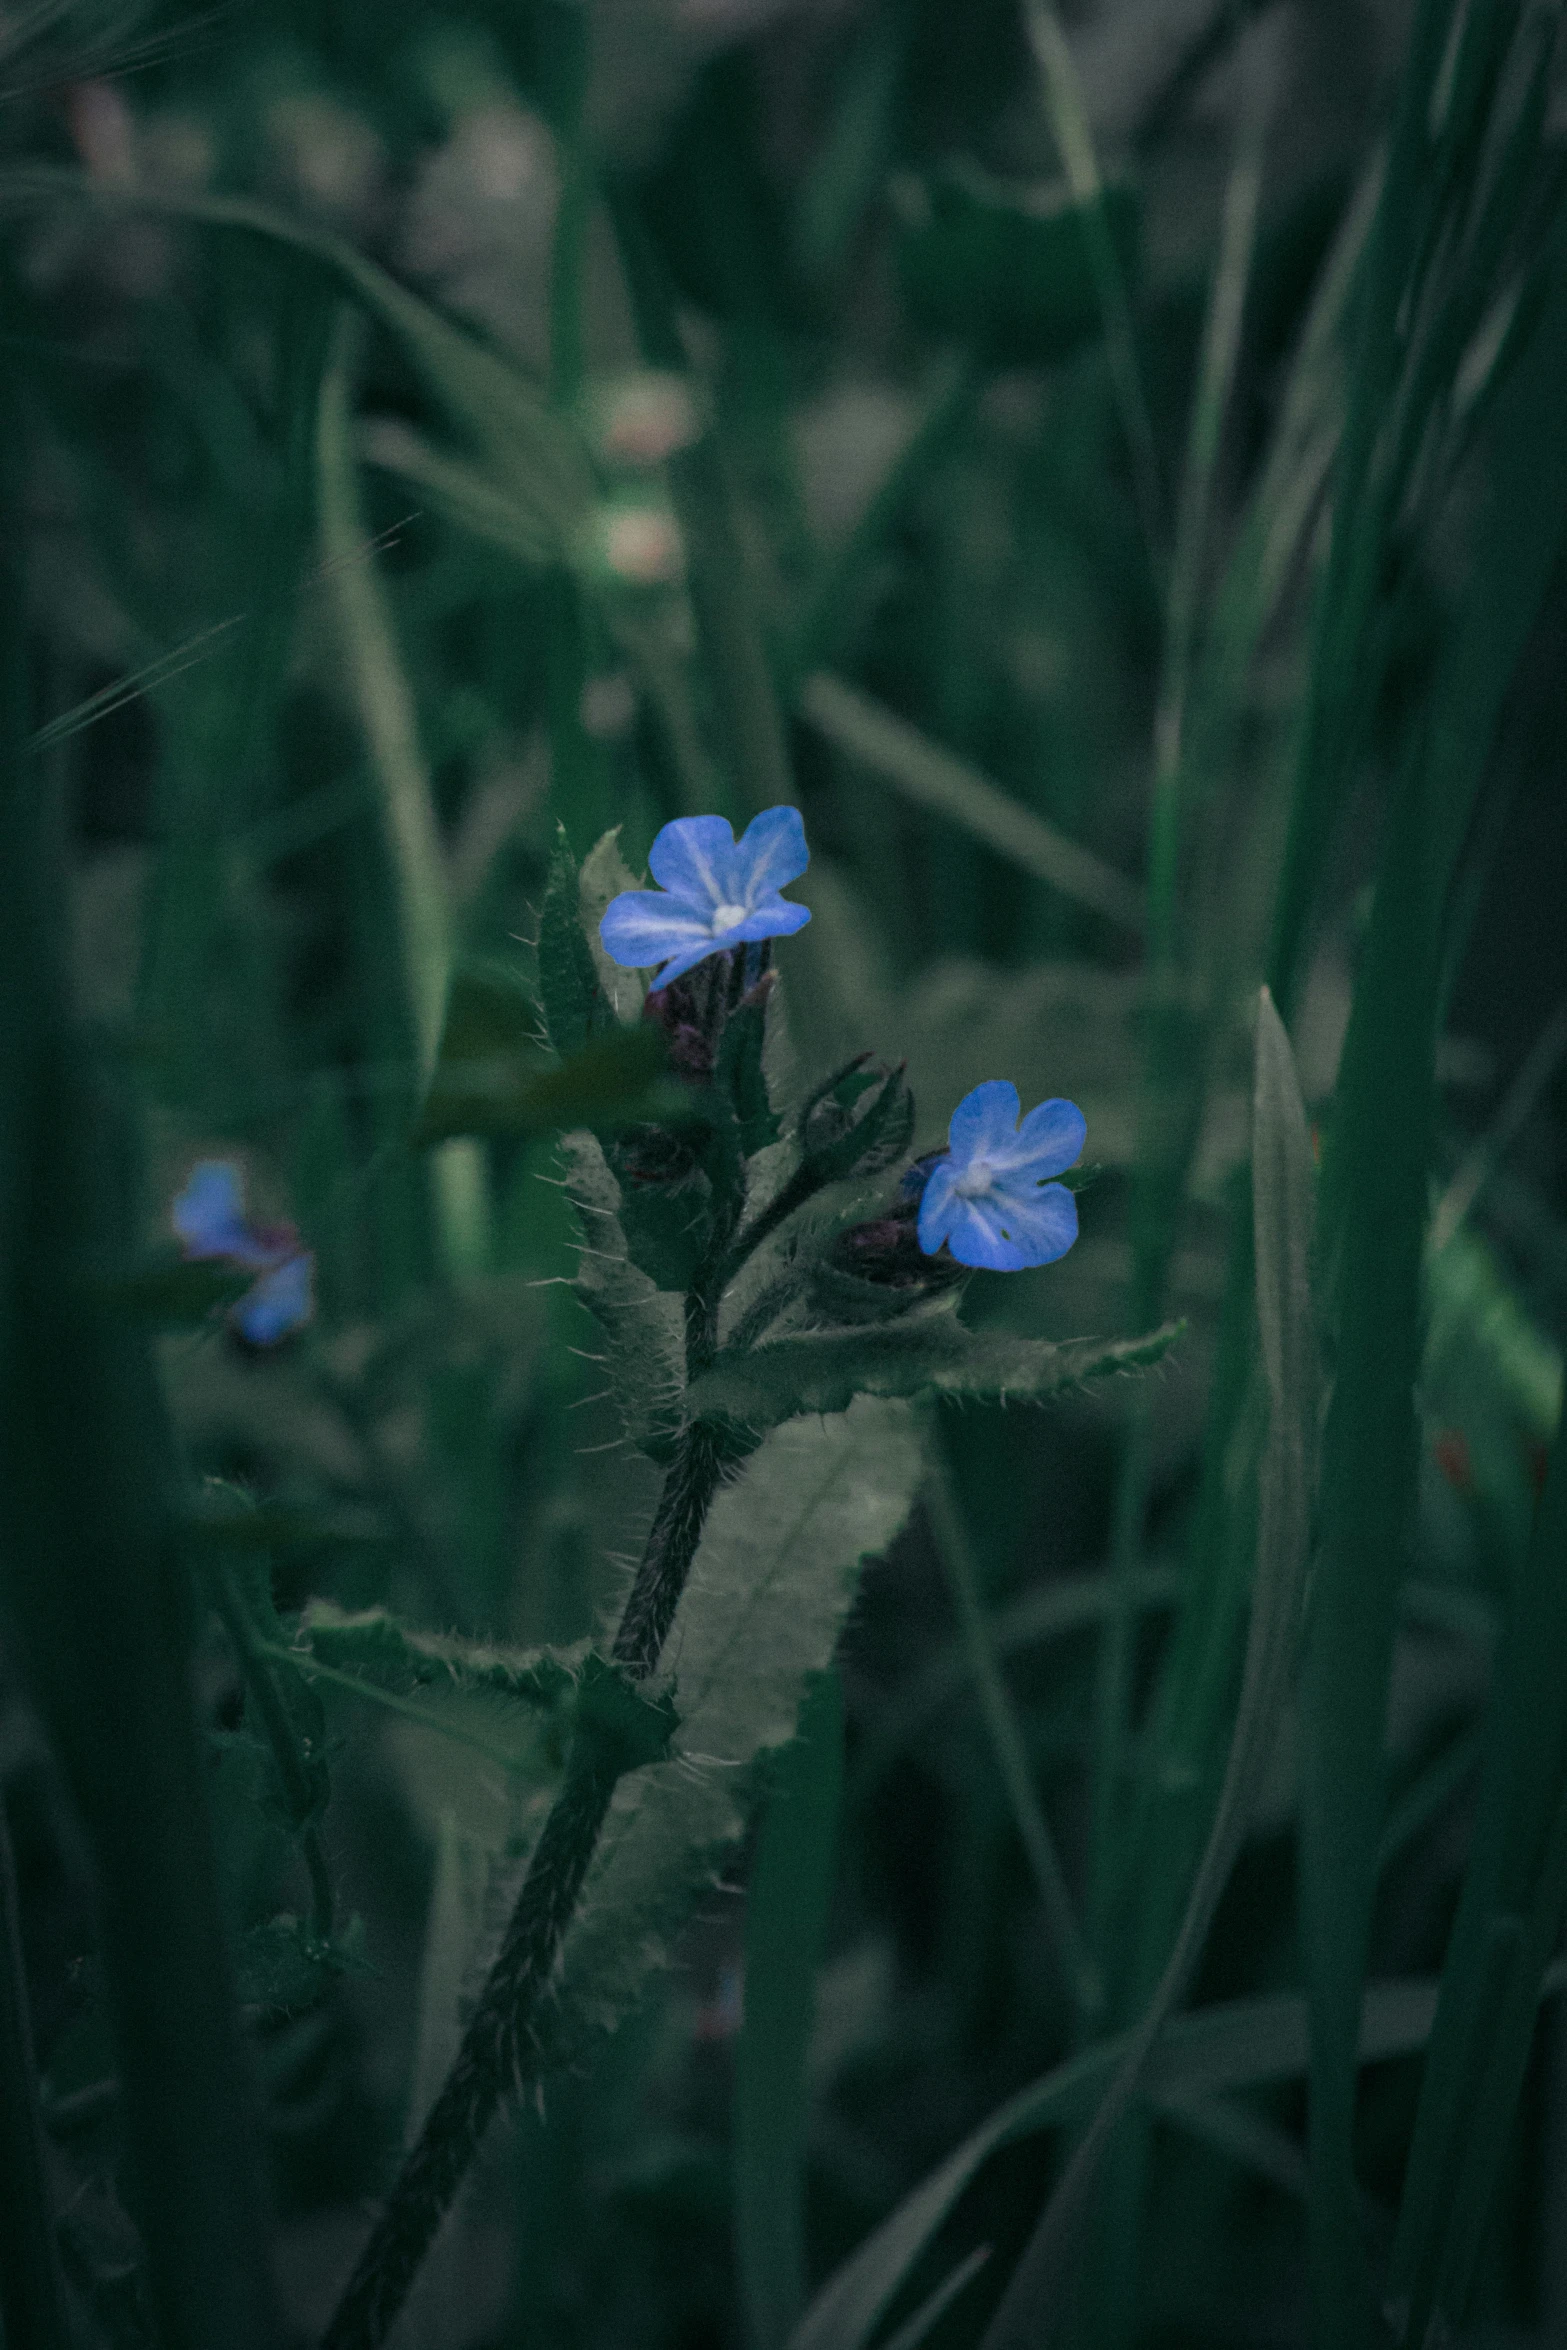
(32, 2291)
(415, 859)
(1082, 1976)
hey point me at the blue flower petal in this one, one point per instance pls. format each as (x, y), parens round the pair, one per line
(775, 917)
(1048, 1141)
(696, 858)
(1039, 1217)
(937, 1205)
(1003, 1233)
(208, 1216)
(976, 1236)
(772, 851)
(705, 872)
(282, 1301)
(646, 926)
(984, 1121)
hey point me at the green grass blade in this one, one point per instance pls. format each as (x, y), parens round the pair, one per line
(385, 707)
(1074, 139)
(1283, 1215)
(1376, 1178)
(1007, 1744)
(931, 778)
(32, 2289)
(1509, 1918)
(1234, 2045)
(1337, 693)
(785, 1921)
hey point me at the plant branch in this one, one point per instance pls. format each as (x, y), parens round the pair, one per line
(500, 2049)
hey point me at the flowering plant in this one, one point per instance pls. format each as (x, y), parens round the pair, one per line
(762, 1264)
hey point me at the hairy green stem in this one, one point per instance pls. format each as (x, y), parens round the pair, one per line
(287, 1753)
(32, 2292)
(500, 2049)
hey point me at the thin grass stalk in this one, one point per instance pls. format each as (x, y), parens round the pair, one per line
(1174, 1074)
(1068, 118)
(1084, 1983)
(416, 862)
(1282, 1188)
(1336, 693)
(33, 2308)
(734, 656)
(831, 603)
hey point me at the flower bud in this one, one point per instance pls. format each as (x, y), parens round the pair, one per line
(858, 1122)
(878, 1268)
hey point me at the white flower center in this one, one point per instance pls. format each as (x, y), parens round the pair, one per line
(728, 918)
(976, 1179)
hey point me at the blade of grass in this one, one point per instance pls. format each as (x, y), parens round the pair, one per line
(1234, 2045)
(415, 860)
(1084, 1985)
(1283, 1208)
(1509, 1918)
(1479, 1162)
(831, 603)
(1376, 1195)
(785, 1921)
(32, 2288)
(931, 778)
(1174, 1073)
(734, 656)
(1068, 118)
(1337, 695)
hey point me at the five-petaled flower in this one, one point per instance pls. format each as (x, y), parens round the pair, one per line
(210, 1222)
(988, 1197)
(714, 892)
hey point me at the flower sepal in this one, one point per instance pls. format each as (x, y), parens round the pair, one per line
(859, 1122)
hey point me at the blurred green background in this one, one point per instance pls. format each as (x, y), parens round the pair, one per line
(1111, 480)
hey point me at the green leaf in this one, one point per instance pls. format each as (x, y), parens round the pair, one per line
(771, 1586)
(668, 1225)
(643, 1326)
(383, 1654)
(615, 1080)
(568, 981)
(785, 1919)
(283, 1968)
(604, 875)
(1010, 271)
(933, 1356)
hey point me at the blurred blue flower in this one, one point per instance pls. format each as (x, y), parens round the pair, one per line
(210, 1223)
(714, 892)
(988, 1198)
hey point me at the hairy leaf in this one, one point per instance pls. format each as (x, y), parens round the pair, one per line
(933, 1356)
(568, 979)
(772, 1583)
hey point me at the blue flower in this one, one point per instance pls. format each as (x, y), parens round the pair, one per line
(210, 1223)
(714, 892)
(988, 1197)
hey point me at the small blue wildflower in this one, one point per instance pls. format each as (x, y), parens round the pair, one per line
(987, 1198)
(714, 892)
(210, 1223)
